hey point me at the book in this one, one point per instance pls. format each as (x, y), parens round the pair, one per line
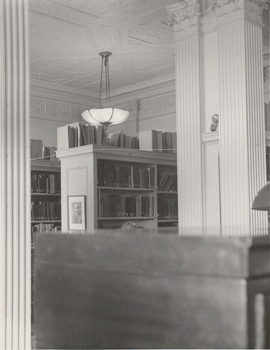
(36, 149)
(100, 135)
(162, 182)
(68, 136)
(168, 141)
(128, 141)
(174, 142)
(114, 138)
(134, 142)
(149, 140)
(267, 115)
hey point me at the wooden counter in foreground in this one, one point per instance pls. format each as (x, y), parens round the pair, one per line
(151, 291)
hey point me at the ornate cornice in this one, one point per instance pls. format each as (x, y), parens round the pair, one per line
(256, 6)
(233, 9)
(185, 16)
(188, 17)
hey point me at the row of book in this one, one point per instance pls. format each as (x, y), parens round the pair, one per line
(158, 141)
(114, 205)
(45, 210)
(167, 208)
(45, 182)
(267, 115)
(167, 182)
(120, 139)
(40, 151)
(81, 135)
(268, 163)
(111, 175)
(44, 227)
(77, 134)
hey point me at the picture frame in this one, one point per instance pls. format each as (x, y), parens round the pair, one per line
(77, 213)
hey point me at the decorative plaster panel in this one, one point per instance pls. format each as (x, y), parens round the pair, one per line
(57, 111)
(60, 110)
(37, 107)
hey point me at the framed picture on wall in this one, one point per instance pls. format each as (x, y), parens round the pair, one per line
(77, 213)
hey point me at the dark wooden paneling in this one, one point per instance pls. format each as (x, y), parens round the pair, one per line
(145, 291)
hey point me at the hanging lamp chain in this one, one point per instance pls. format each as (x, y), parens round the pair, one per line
(105, 62)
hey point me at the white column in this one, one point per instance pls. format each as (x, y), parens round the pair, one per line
(15, 265)
(242, 129)
(229, 34)
(185, 18)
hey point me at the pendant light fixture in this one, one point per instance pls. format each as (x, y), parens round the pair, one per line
(105, 116)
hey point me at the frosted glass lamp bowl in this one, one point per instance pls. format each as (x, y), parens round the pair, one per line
(105, 116)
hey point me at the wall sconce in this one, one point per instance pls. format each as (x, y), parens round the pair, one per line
(215, 121)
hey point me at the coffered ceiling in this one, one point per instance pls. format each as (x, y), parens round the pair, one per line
(66, 37)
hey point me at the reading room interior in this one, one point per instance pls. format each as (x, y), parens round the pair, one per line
(135, 174)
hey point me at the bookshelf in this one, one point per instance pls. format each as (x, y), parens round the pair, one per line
(45, 203)
(167, 199)
(119, 185)
(45, 195)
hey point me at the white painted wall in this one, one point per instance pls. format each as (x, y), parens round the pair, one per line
(158, 112)
(45, 130)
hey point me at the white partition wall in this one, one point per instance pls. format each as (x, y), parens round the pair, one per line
(15, 264)
(218, 48)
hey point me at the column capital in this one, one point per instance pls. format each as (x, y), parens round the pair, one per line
(223, 11)
(184, 17)
(189, 17)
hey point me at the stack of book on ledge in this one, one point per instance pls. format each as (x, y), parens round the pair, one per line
(158, 141)
(41, 152)
(77, 134)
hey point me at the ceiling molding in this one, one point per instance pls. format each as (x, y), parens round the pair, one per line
(143, 86)
(61, 93)
(145, 91)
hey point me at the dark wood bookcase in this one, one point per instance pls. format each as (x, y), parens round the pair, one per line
(119, 185)
(45, 205)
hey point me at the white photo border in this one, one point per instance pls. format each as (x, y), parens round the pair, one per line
(81, 201)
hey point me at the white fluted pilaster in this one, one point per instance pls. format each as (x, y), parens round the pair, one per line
(185, 18)
(242, 133)
(15, 285)
(188, 124)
